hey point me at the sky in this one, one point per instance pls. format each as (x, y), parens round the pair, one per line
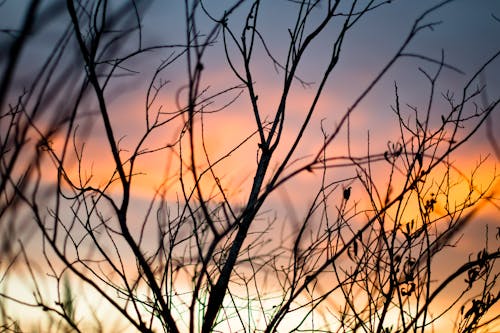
(467, 35)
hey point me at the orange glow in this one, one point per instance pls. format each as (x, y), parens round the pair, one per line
(163, 214)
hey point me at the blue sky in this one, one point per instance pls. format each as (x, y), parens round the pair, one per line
(468, 36)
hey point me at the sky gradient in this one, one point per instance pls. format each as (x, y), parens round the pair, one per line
(466, 36)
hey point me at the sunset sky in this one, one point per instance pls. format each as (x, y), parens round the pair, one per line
(467, 35)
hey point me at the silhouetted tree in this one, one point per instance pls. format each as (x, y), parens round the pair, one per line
(224, 242)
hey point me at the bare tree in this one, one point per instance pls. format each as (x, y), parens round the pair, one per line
(222, 243)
